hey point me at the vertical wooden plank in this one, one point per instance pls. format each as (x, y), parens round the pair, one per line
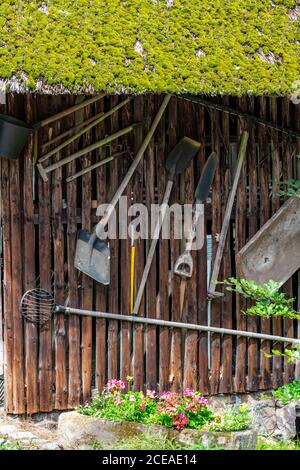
(240, 234)
(175, 378)
(45, 336)
(87, 282)
(163, 256)
(114, 247)
(226, 342)
(74, 396)
(151, 346)
(288, 328)
(275, 154)
(101, 290)
(31, 339)
(125, 247)
(265, 380)
(7, 288)
(252, 378)
(16, 272)
(137, 188)
(202, 274)
(191, 338)
(58, 255)
(216, 229)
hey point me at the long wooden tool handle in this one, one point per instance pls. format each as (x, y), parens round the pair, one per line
(223, 235)
(84, 130)
(155, 238)
(95, 165)
(68, 111)
(43, 171)
(199, 209)
(132, 168)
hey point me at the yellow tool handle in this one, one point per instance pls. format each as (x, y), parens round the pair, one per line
(132, 278)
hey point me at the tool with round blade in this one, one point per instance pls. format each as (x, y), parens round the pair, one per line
(184, 263)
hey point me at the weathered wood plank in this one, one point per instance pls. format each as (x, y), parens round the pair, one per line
(30, 329)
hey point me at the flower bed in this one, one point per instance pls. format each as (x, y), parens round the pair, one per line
(189, 410)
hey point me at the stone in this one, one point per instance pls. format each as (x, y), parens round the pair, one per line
(8, 429)
(46, 445)
(264, 417)
(238, 440)
(285, 422)
(75, 430)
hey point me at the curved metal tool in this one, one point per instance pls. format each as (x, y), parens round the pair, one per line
(176, 163)
(184, 263)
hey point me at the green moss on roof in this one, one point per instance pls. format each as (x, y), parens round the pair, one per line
(195, 46)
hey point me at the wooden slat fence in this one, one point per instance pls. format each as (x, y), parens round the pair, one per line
(58, 365)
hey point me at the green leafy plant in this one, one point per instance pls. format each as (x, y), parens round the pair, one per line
(168, 409)
(288, 392)
(269, 301)
(4, 445)
(236, 419)
(265, 444)
(289, 187)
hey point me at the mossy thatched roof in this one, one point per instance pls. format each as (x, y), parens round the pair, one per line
(194, 46)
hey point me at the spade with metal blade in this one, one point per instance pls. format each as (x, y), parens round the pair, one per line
(176, 163)
(184, 263)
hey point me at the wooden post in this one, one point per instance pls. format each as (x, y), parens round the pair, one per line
(240, 234)
(277, 379)
(191, 338)
(58, 253)
(137, 188)
(31, 339)
(204, 385)
(114, 248)
(74, 396)
(227, 177)
(150, 339)
(252, 379)
(101, 290)
(288, 327)
(265, 379)
(87, 282)
(176, 364)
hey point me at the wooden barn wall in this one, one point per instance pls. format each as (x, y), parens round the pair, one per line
(56, 366)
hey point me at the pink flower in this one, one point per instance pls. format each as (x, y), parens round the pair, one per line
(180, 421)
(142, 406)
(114, 385)
(188, 392)
(202, 401)
(118, 401)
(132, 398)
(165, 395)
(151, 394)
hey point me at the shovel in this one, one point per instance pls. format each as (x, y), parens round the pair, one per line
(92, 255)
(184, 264)
(176, 163)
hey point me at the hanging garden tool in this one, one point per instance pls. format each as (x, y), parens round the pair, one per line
(217, 262)
(81, 132)
(38, 306)
(132, 271)
(184, 263)
(95, 165)
(13, 136)
(273, 252)
(176, 163)
(45, 170)
(92, 255)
